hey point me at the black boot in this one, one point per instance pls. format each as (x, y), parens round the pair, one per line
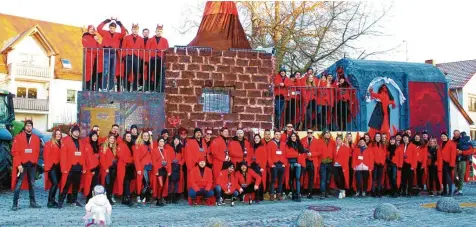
(15, 205)
(33, 203)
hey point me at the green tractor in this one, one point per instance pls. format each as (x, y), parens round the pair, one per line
(8, 129)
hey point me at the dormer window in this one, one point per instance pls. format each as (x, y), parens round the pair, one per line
(66, 63)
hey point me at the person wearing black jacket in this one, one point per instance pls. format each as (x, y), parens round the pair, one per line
(391, 161)
(433, 180)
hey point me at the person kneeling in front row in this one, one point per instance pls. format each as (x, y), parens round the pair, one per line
(201, 181)
(226, 185)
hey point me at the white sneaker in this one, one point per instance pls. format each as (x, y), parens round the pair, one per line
(113, 200)
(343, 191)
(341, 195)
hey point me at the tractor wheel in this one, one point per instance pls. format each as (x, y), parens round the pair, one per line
(5, 165)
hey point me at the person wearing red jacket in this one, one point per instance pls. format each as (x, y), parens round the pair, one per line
(280, 93)
(378, 150)
(220, 152)
(277, 164)
(91, 151)
(51, 156)
(296, 158)
(111, 41)
(115, 131)
(393, 166)
(350, 144)
(92, 59)
(155, 57)
(421, 156)
(125, 169)
(325, 148)
(240, 149)
(226, 185)
(310, 145)
(25, 152)
(160, 165)
(362, 163)
(132, 54)
(195, 149)
(259, 162)
(310, 100)
(108, 164)
(142, 153)
(341, 171)
(407, 153)
(293, 101)
(434, 153)
(247, 182)
(73, 163)
(176, 180)
(344, 101)
(201, 181)
(446, 163)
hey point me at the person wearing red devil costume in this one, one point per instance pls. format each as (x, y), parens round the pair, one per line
(51, 156)
(108, 160)
(160, 163)
(407, 153)
(421, 156)
(111, 41)
(176, 180)
(220, 151)
(132, 53)
(434, 154)
(380, 118)
(125, 168)
(208, 138)
(247, 182)
(447, 163)
(115, 131)
(25, 152)
(310, 94)
(155, 57)
(142, 152)
(378, 149)
(73, 161)
(296, 157)
(259, 162)
(195, 149)
(310, 145)
(201, 181)
(277, 164)
(91, 151)
(346, 106)
(92, 59)
(393, 166)
(341, 169)
(362, 163)
(326, 148)
(280, 93)
(240, 149)
(226, 185)
(293, 101)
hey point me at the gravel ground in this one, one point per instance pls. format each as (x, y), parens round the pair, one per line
(353, 212)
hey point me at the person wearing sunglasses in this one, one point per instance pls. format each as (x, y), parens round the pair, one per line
(289, 131)
(208, 136)
(310, 144)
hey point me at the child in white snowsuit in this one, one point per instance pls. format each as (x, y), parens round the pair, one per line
(98, 209)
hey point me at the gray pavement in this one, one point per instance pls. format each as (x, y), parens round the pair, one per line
(353, 212)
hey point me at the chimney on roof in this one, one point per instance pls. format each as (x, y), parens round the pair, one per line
(431, 62)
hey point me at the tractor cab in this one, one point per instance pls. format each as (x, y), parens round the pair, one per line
(7, 115)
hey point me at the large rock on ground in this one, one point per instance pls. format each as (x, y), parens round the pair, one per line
(386, 211)
(310, 218)
(448, 205)
(215, 222)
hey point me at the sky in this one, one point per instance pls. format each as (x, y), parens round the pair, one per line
(439, 30)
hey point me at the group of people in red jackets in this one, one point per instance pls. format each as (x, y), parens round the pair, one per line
(123, 61)
(307, 101)
(246, 168)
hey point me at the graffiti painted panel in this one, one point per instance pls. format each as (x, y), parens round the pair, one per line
(428, 107)
(146, 110)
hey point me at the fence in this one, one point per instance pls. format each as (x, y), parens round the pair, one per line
(319, 108)
(123, 70)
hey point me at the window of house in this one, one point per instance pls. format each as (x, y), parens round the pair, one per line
(71, 96)
(472, 134)
(21, 92)
(32, 93)
(66, 64)
(472, 102)
(216, 100)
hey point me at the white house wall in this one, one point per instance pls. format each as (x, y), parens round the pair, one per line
(469, 88)
(457, 120)
(30, 46)
(60, 110)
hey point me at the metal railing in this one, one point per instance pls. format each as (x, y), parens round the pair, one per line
(31, 70)
(123, 70)
(31, 104)
(319, 108)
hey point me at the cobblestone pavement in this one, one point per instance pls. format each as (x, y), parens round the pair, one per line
(353, 212)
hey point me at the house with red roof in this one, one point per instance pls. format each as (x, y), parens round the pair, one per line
(462, 93)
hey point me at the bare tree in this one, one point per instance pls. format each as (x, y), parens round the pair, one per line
(310, 34)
